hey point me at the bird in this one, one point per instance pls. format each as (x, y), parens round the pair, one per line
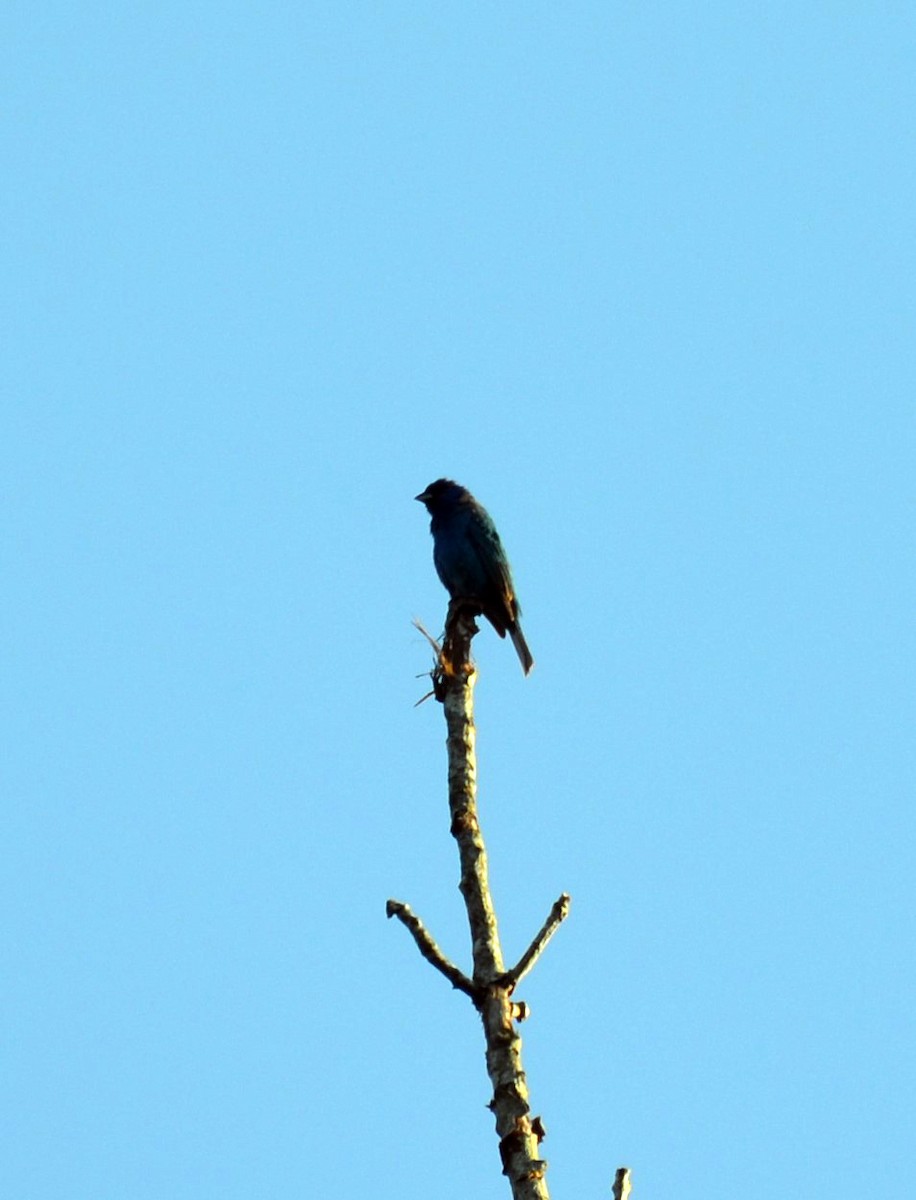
(471, 562)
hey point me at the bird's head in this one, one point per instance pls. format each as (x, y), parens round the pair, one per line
(442, 494)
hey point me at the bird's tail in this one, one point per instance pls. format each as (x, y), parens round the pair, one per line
(521, 648)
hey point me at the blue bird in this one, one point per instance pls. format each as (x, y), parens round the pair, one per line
(471, 562)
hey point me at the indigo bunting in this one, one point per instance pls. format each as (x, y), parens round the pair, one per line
(471, 562)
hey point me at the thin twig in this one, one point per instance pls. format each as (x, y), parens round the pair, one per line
(439, 671)
(436, 648)
(557, 915)
(428, 948)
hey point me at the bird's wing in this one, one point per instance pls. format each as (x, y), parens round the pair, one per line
(484, 539)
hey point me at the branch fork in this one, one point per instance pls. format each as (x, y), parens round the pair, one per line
(490, 986)
(508, 980)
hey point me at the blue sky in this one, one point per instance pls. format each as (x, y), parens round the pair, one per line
(641, 276)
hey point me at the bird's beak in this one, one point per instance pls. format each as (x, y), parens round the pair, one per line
(423, 497)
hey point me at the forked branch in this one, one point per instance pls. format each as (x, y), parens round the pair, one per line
(490, 985)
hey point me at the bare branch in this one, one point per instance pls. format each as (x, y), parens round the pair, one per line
(621, 1187)
(428, 948)
(519, 1132)
(557, 915)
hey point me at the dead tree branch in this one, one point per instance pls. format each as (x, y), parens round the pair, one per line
(621, 1189)
(558, 914)
(491, 985)
(429, 949)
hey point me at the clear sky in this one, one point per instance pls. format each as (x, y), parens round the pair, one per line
(641, 275)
